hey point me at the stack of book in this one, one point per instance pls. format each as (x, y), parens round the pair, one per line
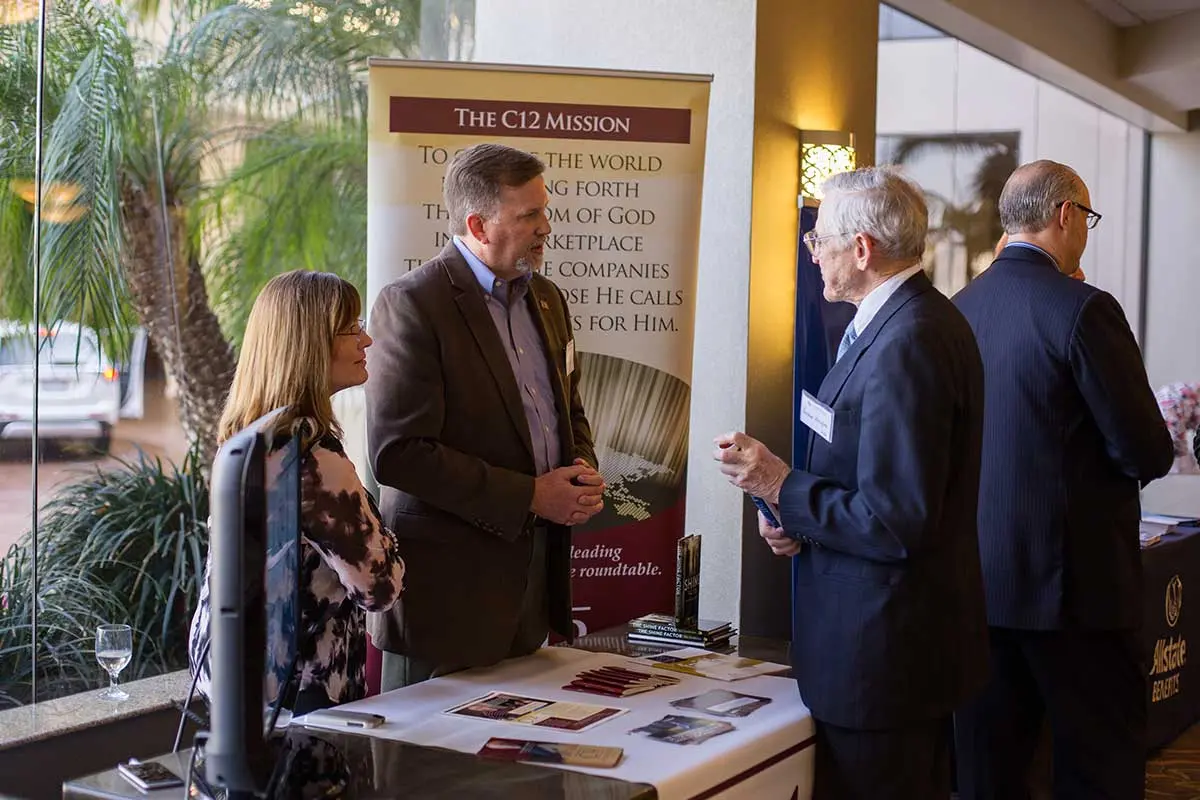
(684, 627)
(663, 629)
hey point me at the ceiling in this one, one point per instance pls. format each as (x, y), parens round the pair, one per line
(1161, 47)
(1137, 59)
(1128, 13)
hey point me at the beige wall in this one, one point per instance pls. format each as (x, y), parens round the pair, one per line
(1172, 346)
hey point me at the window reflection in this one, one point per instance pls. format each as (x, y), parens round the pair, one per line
(962, 175)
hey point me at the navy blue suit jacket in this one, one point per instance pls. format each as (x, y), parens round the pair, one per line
(889, 619)
(1070, 431)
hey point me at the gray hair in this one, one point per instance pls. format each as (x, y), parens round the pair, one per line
(1033, 194)
(475, 176)
(881, 203)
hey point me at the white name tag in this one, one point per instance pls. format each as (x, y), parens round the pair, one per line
(570, 356)
(817, 416)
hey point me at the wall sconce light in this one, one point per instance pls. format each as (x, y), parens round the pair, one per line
(13, 12)
(822, 154)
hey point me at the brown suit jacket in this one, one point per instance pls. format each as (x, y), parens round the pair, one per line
(451, 450)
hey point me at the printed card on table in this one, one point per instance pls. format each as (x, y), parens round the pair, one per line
(722, 703)
(676, 729)
(505, 707)
(575, 755)
(706, 664)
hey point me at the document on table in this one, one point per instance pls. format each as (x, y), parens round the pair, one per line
(505, 707)
(706, 664)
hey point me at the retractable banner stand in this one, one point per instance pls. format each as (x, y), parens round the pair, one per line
(624, 155)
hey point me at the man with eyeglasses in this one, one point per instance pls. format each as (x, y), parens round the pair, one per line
(1071, 433)
(890, 634)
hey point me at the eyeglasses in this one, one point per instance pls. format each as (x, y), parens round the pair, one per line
(1092, 218)
(813, 242)
(360, 327)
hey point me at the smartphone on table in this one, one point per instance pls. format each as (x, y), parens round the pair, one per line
(335, 717)
(148, 776)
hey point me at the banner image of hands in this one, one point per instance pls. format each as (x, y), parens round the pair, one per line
(624, 159)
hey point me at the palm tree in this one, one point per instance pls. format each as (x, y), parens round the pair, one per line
(179, 176)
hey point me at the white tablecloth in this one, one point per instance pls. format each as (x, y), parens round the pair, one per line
(770, 747)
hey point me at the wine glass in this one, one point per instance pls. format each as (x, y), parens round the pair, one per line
(114, 648)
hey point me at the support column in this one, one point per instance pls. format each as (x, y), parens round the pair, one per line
(815, 69)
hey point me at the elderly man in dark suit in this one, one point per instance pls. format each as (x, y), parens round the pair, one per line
(890, 635)
(476, 431)
(1071, 432)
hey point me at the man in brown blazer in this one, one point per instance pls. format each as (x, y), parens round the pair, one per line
(476, 432)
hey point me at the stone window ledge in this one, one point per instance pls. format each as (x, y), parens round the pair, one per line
(26, 724)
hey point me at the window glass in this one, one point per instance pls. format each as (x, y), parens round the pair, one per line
(190, 150)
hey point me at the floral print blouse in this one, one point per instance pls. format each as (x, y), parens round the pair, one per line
(349, 564)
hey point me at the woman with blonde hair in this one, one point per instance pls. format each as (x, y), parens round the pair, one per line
(304, 342)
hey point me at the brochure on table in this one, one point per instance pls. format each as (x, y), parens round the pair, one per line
(535, 712)
(417, 714)
(706, 664)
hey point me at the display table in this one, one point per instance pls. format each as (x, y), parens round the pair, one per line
(770, 754)
(1171, 596)
(357, 768)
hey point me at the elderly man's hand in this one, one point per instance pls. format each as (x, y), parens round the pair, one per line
(780, 543)
(750, 466)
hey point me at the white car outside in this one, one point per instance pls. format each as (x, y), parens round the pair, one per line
(78, 388)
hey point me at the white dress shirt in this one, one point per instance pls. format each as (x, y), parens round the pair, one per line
(878, 296)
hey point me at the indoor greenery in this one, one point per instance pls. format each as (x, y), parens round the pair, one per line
(124, 544)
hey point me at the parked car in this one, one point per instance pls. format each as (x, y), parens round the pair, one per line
(78, 387)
